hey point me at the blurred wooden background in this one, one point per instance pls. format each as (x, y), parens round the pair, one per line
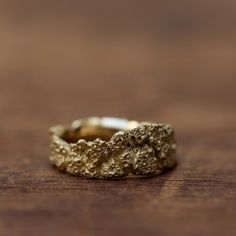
(167, 61)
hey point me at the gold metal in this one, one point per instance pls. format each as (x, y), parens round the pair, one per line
(110, 147)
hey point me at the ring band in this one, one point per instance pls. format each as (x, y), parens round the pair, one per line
(111, 147)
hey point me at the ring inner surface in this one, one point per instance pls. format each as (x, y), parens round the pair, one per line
(91, 129)
(88, 133)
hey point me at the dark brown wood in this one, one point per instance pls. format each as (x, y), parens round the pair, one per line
(165, 61)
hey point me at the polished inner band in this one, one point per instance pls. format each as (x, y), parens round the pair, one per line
(92, 128)
(111, 147)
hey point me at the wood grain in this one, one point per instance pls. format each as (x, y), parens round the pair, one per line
(165, 61)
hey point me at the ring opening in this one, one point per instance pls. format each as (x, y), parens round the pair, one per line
(88, 133)
(93, 128)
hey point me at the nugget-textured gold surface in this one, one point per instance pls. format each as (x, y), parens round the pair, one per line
(110, 147)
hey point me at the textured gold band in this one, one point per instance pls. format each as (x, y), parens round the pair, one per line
(111, 147)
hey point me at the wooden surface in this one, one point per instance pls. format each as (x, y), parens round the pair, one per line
(165, 61)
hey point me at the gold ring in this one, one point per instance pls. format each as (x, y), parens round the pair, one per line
(111, 147)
